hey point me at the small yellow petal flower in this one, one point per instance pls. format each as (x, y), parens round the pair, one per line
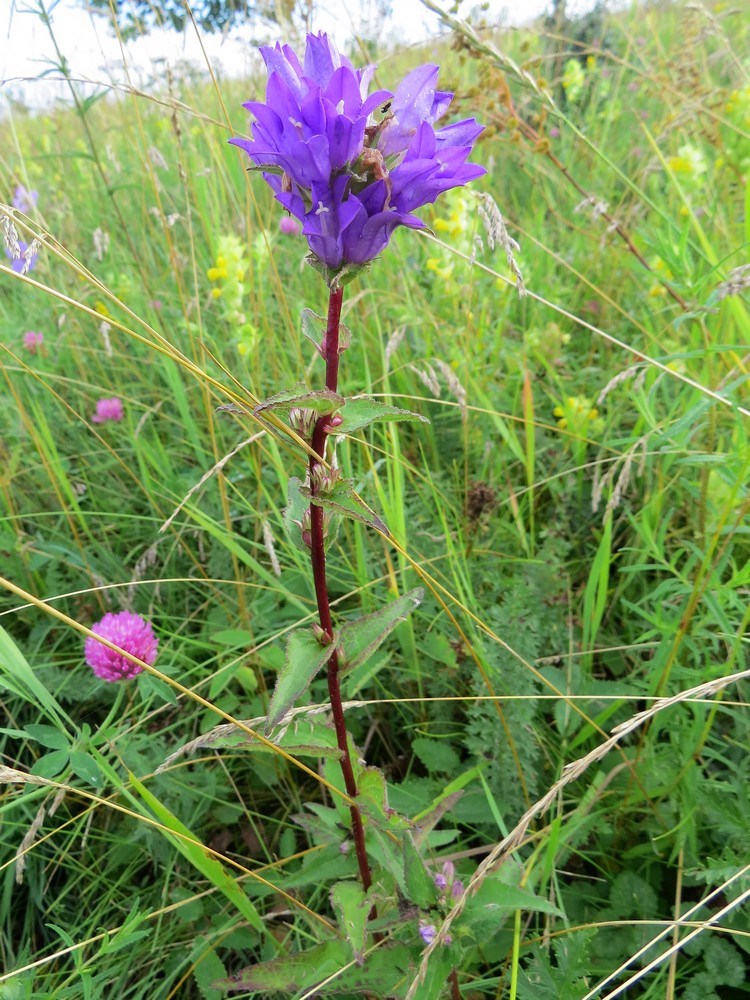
(215, 293)
(213, 273)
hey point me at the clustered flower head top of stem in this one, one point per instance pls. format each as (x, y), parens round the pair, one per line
(352, 167)
(131, 633)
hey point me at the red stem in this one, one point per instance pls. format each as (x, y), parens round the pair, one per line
(330, 348)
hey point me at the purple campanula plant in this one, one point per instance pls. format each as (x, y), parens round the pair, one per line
(352, 167)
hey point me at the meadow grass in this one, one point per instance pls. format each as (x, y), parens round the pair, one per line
(576, 510)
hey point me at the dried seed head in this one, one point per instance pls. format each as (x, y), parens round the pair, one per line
(270, 548)
(498, 235)
(156, 158)
(10, 236)
(738, 281)
(29, 255)
(101, 243)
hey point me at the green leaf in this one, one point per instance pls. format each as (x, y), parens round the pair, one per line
(294, 512)
(302, 737)
(48, 736)
(321, 401)
(17, 676)
(51, 764)
(343, 500)
(436, 755)
(290, 974)
(149, 686)
(314, 329)
(85, 768)
(358, 639)
(304, 658)
(190, 846)
(208, 967)
(494, 900)
(360, 411)
(351, 908)
(420, 886)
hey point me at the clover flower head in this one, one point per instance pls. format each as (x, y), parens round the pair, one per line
(108, 409)
(128, 631)
(24, 200)
(289, 226)
(352, 167)
(32, 340)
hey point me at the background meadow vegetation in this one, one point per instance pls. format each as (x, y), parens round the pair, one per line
(576, 507)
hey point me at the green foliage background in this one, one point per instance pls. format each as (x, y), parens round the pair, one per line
(577, 507)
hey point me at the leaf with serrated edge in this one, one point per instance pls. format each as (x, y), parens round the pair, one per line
(362, 410)
(304, 658)
(343, 500)
(419, 885)
(291, 973)
(349, 903)
(322, 401)
(358, 639)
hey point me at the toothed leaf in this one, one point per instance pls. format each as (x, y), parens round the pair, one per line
(321, 401)
(343, 500)
(358, 639)
(361, 411)
(304, 658)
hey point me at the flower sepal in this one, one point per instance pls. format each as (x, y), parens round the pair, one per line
(337, 277)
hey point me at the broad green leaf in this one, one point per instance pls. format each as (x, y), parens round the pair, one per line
(304, 658)
(51, 764)
(439, 967)
(494, 900)
(360, 411)
(190, 846)
(351, 908)
(436, 755)
(358, 639)
(343, 500)
(149, 686)
(290, 974)
(302, 737)
(321, 401)
(48, 736)
(85, 768)
(206, 968)
(420, 886)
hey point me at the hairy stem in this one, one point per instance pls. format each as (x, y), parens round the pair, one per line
(330, 348)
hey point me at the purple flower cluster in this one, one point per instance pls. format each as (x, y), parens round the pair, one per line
(128, 631)
(25, 200)
(349, 166)
(108, 409)
(32, 340)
